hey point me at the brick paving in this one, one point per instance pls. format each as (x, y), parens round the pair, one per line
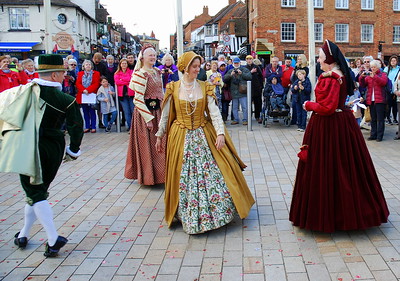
(116, 229)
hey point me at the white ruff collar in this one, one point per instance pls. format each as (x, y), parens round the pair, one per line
(47, 83)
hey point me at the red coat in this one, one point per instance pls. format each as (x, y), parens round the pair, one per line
(12, 79)
(91, 89)
(121, 79)
(326, 95)
(375, 83)
(32, 76)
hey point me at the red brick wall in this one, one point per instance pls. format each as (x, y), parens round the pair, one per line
(268, 15)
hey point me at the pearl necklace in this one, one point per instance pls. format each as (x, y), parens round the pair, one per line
(190, 99)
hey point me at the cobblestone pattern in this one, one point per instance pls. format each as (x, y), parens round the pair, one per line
(116, 229)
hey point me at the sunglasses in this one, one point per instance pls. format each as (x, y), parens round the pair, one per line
(73, 64)
(208, 64)
(366, 61)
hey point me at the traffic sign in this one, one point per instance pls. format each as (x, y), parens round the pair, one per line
(227, 38)
(226, 50)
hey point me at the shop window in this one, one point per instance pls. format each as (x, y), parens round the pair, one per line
(19, 18)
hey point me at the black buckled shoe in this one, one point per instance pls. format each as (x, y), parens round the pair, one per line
(53, 250)
(20, 242)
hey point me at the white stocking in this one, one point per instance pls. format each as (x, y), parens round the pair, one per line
(30, 218)
(45, 215)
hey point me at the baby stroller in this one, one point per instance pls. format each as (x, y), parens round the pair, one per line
(269, 113)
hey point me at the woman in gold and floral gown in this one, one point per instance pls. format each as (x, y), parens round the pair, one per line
(204, 186)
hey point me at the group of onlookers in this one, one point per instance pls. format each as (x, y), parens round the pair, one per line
(379, 86)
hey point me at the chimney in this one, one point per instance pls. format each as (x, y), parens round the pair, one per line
(231, 2)
(205, 10)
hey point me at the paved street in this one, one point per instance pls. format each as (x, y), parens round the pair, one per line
(116, 229)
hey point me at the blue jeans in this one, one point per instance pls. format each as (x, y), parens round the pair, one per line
(109, 118)
(89, 114)
(301, 116)
(235, 108)
(127, 107)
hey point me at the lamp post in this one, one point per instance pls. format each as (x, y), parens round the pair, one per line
(179, 28)
(311, 44)
(47, 19)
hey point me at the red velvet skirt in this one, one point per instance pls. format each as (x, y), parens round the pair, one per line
(337, 187)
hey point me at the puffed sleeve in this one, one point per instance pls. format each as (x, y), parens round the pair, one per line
(213, 108)
(162, 126)
(139, 84)
(328, 97)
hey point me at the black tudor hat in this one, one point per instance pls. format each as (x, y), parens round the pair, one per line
(50, 63)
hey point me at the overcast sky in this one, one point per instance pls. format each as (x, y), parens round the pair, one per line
(144, 16)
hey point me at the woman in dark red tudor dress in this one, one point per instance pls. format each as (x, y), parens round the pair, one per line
(336, 186)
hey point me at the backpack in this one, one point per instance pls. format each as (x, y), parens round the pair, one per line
(388, 88)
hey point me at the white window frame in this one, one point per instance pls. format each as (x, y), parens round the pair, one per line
(337, 32)
(367, 4)
(318, 3)
(288, 3)
(208, 30)
(367, 30)
(396, 34)
(215, 29)
(396, 5)
(21, 14)
(288, 31)
(321, 25)
(341, 4)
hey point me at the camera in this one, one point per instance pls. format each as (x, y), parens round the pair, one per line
(367, 73)
(166, 70)
(235, 71)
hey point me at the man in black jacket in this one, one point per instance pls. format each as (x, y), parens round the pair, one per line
(256, 86)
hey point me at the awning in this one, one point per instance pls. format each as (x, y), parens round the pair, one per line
(17, 46)
(262, 45)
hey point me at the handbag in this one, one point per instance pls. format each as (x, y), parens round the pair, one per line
(303, 154)
(152, 104)
(95, 106)
(367, 115)
(226, 94)
(243, 88)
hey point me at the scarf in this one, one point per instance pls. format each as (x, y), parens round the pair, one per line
(277, 88)
(222, 72)
(87, 79)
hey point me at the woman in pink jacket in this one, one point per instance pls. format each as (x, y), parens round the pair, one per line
(122, 78)
(375, 80)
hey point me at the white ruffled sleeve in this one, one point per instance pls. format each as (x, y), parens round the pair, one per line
(164, 119)
(215, 115)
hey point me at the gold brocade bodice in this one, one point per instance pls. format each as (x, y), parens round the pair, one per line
(189, 116)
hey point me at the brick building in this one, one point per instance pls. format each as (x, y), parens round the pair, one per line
(218, 23)
(279, 27)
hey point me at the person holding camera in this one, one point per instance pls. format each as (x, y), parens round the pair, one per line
(9, 78)
(237, 78)
(169, 70)
(375, 81)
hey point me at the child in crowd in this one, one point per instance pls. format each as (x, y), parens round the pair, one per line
(275, 92)
(301, 91)
(355, 103)
(105, 95)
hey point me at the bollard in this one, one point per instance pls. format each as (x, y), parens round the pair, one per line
(249, 107)
(117, 105)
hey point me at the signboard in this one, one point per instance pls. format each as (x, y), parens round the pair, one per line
(226, 38)
(64, 40)
(226, 50)
(264, 53)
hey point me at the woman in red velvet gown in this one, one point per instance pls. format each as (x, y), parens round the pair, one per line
(336, 186)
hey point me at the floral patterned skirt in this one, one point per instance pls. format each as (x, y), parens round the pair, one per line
(204, 199)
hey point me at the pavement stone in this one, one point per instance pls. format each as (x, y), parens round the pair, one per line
(116, 228)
